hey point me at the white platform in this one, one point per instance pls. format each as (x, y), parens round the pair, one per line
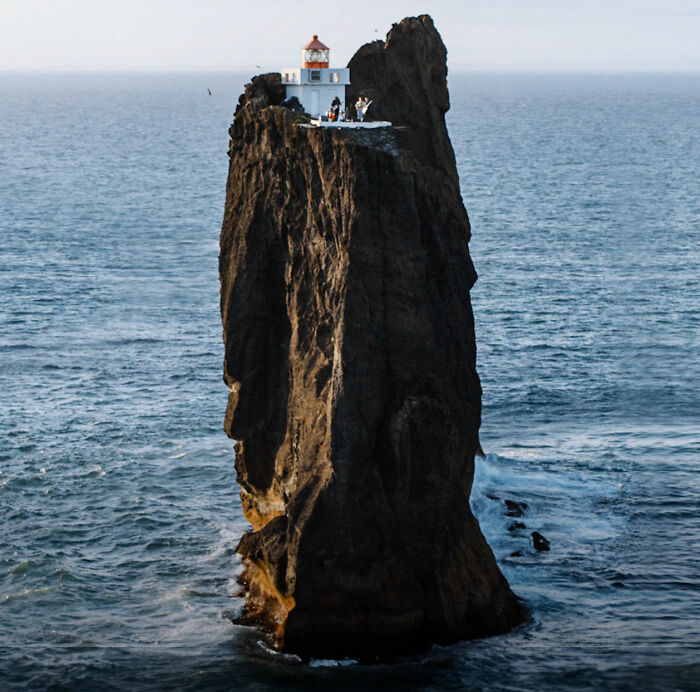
(348, 124)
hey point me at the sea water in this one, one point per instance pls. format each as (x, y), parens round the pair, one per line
(119, 512)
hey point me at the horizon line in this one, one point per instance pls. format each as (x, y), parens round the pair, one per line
(258, 70)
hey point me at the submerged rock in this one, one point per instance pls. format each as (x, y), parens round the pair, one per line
(539, 541)
(350, 362)
(514, 508)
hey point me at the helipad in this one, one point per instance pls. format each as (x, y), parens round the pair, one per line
(348, 124)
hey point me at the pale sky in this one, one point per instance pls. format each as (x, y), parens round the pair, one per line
(235, 35)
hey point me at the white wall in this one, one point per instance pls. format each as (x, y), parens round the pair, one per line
(326, 93)
(328, 75)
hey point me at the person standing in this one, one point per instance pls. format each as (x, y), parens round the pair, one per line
(335, 108)
(365, 107)
(358, 108)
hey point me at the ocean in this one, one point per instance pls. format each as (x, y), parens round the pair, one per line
(119, 511)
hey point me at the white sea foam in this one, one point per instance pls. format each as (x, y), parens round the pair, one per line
(570, 508)
(332, 662)
(27, 593)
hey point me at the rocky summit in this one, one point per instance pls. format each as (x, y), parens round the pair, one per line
(350, 363)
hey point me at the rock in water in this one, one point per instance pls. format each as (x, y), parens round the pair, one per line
(514, 508)
(539, 541)
(350, 362)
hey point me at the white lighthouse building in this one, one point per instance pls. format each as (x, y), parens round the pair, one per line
(316, 84)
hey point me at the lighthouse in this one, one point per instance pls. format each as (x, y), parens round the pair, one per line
(315, 83)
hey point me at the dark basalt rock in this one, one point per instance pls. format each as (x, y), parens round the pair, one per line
(514, 508)
(516, 526)
(293, 104)
(350, 362)
(539, 541)
(262, 91)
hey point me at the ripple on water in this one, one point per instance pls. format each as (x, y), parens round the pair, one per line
(117, 487)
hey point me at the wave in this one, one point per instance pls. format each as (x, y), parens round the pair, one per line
(40, 591)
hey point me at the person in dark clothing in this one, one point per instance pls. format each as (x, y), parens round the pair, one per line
(335, 108)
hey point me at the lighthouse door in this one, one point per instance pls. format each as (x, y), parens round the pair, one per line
(315, 98)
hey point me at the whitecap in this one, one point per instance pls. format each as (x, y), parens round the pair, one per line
(332, 662)
(27, 592)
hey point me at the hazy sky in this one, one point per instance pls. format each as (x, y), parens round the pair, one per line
(558, 35)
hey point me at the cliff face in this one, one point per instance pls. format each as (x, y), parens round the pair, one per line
(350, 363)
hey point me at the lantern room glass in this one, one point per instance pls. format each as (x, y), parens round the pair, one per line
(315, 58)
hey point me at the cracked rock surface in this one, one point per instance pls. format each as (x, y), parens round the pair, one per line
(350, 362)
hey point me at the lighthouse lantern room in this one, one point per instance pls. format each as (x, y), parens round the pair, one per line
(314, 54)
(315, 83)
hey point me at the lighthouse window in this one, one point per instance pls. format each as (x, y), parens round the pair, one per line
(315, 75)
(335, 77)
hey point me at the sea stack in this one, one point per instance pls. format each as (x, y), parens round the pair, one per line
(350, 362)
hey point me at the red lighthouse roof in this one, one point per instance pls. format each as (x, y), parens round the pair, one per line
(315, 44)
